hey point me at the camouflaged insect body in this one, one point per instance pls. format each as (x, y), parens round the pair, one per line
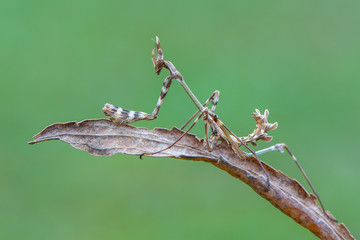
(212, 123)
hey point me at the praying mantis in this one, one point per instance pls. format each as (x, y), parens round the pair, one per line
(219, 131)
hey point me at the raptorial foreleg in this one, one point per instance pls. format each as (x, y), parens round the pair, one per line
(121, 115)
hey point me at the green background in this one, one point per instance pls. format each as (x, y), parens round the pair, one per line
(62, 60)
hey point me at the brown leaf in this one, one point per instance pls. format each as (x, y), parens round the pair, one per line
(102, 137)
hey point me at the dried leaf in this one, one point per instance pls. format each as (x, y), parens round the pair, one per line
(104, 138)
(101, 137)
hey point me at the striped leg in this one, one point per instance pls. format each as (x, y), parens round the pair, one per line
(209, 141)
(121, 115)
(215, 136)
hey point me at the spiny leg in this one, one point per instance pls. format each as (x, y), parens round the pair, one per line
(121, 115)
(280, 147)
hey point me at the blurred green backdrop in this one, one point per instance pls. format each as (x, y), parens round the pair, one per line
(62, 60)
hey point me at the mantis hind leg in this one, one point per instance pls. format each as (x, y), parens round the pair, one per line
(281, 147)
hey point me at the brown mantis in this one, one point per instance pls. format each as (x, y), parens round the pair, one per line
(219, 131)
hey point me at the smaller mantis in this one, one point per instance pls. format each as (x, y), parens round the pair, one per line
(212, 122)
